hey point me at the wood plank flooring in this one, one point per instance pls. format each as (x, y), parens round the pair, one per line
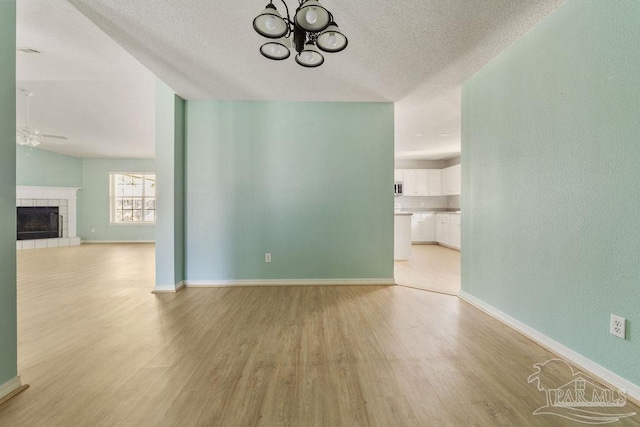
(98, 349)
(430, 267)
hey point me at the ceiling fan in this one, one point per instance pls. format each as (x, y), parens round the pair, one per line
(31, 137)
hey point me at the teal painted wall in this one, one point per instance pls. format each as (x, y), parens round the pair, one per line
(308, 182)
(44, 168)
(170, 164)
(551, 231)
(179, 190)
(93, 201)
(8, 328)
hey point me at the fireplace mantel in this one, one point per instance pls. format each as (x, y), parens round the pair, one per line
(43, 196)
(29, 192)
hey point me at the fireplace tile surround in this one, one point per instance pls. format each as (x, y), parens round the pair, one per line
(62, 197)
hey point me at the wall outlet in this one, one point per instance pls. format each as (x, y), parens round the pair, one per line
(267, 257)
(618, 326)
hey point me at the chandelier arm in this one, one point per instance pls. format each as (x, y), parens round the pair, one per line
(287, 9)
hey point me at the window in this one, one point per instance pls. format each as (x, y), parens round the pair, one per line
(133, 197)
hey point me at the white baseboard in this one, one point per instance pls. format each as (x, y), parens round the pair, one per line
(449, 246)
(10, 386)
(116, 241)
(164, 289)
(289, 282)
(611, 379)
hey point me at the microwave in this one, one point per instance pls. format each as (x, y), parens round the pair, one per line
(397, 189)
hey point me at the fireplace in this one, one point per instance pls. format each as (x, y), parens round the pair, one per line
(62, 198)
(41, 222)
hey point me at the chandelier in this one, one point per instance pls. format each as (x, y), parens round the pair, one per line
(312, 29)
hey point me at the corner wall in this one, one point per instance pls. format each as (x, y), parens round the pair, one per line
(170, 178)
(8, 327)
(307, 182)
(551, 178)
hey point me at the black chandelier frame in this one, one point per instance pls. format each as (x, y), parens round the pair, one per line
(301, 36)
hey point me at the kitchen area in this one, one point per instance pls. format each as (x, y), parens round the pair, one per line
(427, 231)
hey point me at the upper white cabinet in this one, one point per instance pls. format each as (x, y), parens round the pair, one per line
(435, 182)
(410, 182)
(422, 176)
(451, 180)
(420, 182)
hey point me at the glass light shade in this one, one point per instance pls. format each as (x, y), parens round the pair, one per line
(276, 50)
(331, 39)
(270, 23)
(310, 57)
(311, 16)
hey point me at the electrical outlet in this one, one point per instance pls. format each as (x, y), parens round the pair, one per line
(267, 257)
(618, 326)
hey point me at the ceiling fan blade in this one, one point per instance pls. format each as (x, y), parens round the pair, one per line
(64, 138)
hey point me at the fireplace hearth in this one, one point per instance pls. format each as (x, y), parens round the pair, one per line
(41, 222)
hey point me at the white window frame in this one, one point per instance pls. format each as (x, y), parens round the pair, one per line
(113, 195)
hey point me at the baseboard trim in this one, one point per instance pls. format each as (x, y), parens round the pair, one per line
(449, 246)
(289, 282)
(590, 367)
(91, 242)
(169, 289)
(11, 388)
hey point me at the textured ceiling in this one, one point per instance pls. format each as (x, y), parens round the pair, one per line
(85, 86)
(416, 53)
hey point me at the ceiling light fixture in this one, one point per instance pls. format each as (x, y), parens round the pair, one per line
(444, 134)
(312, 30)
(29, 136)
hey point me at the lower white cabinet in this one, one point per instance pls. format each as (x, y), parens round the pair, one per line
(423, 227)
(454, 226)
(443, 234)
(448, 229)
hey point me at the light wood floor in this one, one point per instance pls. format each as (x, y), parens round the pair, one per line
(99, 349)
(430, 267)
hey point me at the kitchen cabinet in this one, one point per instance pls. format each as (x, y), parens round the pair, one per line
(422, 178)
(443, 233)
(434, 187)
(451, 180)
(429, 182)
(448, 229)
(423, 227)
(410, 182)
(420, 182)
(454, 226)
(457, 179)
